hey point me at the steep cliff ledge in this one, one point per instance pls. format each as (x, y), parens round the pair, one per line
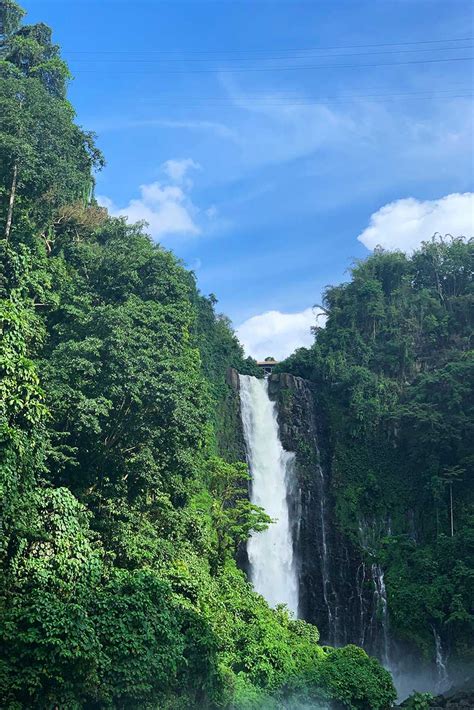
(296, 401)
(341, 587)
(340, 591)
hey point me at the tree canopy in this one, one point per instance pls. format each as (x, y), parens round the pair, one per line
(122, 500)
(394, 367)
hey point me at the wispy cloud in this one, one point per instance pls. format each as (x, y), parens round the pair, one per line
(404, 224)
(362, 138)
(277, 129)
(221, 130)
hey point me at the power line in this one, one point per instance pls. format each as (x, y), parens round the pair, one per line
(297, 94)
(293, 68)
(291, 94)
(305, 103)
(292, 49)
(309, 101)
(253, 59)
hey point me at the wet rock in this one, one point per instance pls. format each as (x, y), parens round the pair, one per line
(455, 700)
(336, 584)
(232, 378)
(461, 698)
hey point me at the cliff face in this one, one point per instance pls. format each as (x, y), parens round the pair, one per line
(341, 586)
(230, 432)
(341, 591)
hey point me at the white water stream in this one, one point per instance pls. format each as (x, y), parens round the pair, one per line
(442, 681)
(382, 608)
(272, 565)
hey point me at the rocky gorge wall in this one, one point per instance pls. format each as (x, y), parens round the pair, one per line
(340, 574)
(341, 591)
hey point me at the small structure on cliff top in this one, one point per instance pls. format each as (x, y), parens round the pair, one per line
(267, 365)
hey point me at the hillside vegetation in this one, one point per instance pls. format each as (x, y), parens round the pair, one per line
(121, 506)
(394, 370)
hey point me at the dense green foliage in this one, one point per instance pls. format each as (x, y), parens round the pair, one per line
(394, 368)
(418, 701)
(220, 350)
(119, 519)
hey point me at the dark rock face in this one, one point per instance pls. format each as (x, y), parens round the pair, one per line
(341, 582)
(338, 590)
(232, 379)
(339, 587)
(461, 700)
(458, 698)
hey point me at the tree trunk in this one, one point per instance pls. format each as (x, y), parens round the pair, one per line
(11, 202)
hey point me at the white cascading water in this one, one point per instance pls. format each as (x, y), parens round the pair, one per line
(442, 681)
(272, 564)
(382, 608)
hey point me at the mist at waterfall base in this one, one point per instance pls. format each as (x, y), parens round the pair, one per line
(287, 704)
(272, 564)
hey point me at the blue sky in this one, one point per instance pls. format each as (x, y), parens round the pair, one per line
(262, 138)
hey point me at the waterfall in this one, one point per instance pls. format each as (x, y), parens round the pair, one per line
(382, 610)
(375, 629)
(272, 565)
(329, 595)
(360, 584)
(442, 680)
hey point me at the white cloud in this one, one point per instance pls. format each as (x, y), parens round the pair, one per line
(277, 334)
(176, 170)
(106, 202)
(167, 208)
(404, 224)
